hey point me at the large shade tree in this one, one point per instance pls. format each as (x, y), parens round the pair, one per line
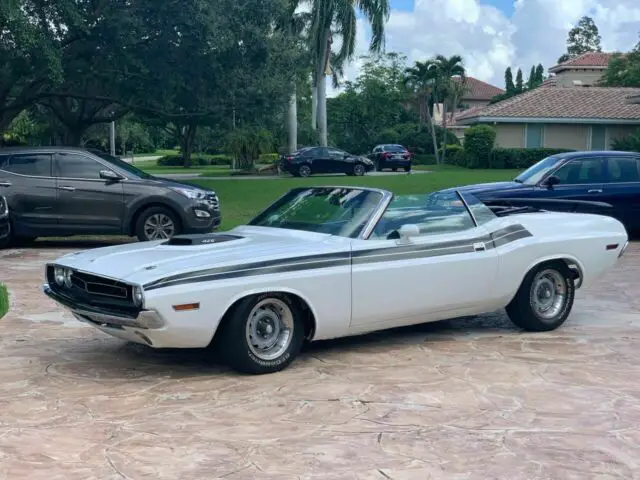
(333, 20)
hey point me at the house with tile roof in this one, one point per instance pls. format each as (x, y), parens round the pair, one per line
(568, 112)
(477, 93)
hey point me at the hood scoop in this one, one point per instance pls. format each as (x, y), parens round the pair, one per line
(201, 239)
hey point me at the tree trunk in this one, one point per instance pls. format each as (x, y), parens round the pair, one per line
(322, 89)
(432, 130)
(314, 102)
(187, 137)
(444, 130)
(293, 121)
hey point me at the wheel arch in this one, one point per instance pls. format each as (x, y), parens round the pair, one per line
(131, 226)
(310, 317)
(570, 261)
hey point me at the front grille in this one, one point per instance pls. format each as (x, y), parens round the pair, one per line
(93, 290)
(212, 198)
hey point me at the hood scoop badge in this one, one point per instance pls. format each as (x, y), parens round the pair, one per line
(201, 239)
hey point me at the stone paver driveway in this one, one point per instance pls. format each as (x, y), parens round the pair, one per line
(466, 399)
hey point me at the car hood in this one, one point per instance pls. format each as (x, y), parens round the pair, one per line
(144, 262)
(480, 188)
(166, 182)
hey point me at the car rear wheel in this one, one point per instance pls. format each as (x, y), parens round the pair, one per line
(545, 298)
(157, 223)
(304, 171)
(6, 241)
(262, 334)
(358, 170)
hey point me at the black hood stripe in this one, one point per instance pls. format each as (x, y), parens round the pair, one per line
(312, 262)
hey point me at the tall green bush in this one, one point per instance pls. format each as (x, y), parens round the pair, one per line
(478, 143)
(4, 300)
(630, 143)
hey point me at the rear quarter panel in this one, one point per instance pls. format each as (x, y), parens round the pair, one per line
(579, 238)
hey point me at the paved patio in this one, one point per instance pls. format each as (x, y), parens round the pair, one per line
(466, 399)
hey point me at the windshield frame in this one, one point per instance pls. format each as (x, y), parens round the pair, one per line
(555, 161)
(376, 213)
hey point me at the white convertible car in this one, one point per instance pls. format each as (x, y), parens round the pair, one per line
(334, 261)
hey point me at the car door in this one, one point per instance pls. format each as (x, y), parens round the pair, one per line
(321, 162)
(27, 182)
(338, 162)
(446, 268)
(580, 179)
(86, 202)
(622, 189)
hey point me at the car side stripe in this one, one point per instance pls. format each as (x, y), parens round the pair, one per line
(375, 255)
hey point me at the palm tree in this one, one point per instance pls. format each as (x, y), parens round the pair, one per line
(447, 87)
(338, 18)
(421, 79)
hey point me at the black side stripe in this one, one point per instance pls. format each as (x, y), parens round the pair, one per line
(312, 262)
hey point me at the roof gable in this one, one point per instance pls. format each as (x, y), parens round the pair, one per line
(478, 90)
(608, 103)
(593, 60)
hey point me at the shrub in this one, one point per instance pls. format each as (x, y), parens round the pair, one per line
(269, 158)
(478, 143)
(196, 161)
(520, 157)
(630, 143)
(424, 159)
(4, 300)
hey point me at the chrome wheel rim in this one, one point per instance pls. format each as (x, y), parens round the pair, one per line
(305, 171)
(269, 329)
(548, 294)
(159, 226)
(358, 170)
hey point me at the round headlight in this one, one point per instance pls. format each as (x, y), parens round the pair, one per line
(58, 274)
(138, 296)
(67, 278)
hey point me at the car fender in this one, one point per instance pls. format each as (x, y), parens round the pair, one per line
(556, 256)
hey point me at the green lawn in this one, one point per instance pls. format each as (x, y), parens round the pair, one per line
(4, 300)
(241, 199)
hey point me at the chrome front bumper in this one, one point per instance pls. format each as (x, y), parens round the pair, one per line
(146, 319)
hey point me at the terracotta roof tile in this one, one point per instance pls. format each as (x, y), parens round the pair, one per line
(609, 103)
(550, 82)
(586, 60)
(479, 90)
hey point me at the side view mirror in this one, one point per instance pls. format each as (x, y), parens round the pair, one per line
(409, 230)
(551, 181)
(110, 175)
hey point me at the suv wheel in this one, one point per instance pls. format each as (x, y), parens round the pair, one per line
(157, 223)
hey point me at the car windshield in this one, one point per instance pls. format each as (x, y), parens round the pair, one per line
(341, 211)
(121, 164)
(535, 173)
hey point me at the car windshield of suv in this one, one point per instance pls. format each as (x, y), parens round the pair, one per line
(118, 162)
(535, 173)
(340, 211)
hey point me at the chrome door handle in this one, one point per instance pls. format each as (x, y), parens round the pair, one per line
(595, 190)
(5, 184)
(479, 247)
(68, 189)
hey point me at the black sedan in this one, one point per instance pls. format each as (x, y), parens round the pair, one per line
(391, 156)
(311, 160)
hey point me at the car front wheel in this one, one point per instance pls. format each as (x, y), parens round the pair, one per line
(157, 223)
(263, 334)
(545, 298)
(358, 170)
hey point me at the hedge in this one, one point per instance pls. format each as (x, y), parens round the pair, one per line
(478, 143)
(424, 159)
(196, 161)
(4, 300)
(269, 158)
(520, 157)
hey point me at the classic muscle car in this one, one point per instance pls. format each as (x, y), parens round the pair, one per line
(333, 261)
(5, 226)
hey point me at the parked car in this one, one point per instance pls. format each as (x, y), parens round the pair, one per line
(57, 191)
(391, 156)
(611, 177)
(329, 262)
(4, 222)
(311, 160)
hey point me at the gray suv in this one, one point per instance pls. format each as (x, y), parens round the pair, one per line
(60, 191)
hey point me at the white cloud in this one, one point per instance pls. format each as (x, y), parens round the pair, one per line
(489, 41)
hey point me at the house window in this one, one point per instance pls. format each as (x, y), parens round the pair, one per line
(534, 133)
(598, 137)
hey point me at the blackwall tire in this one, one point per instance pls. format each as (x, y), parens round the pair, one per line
(545, 298)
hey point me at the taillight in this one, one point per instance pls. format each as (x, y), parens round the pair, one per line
(386, 155)
(289, 158)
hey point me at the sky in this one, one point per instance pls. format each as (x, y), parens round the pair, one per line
(494, 34)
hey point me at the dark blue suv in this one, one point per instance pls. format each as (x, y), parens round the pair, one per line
(604, 176)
